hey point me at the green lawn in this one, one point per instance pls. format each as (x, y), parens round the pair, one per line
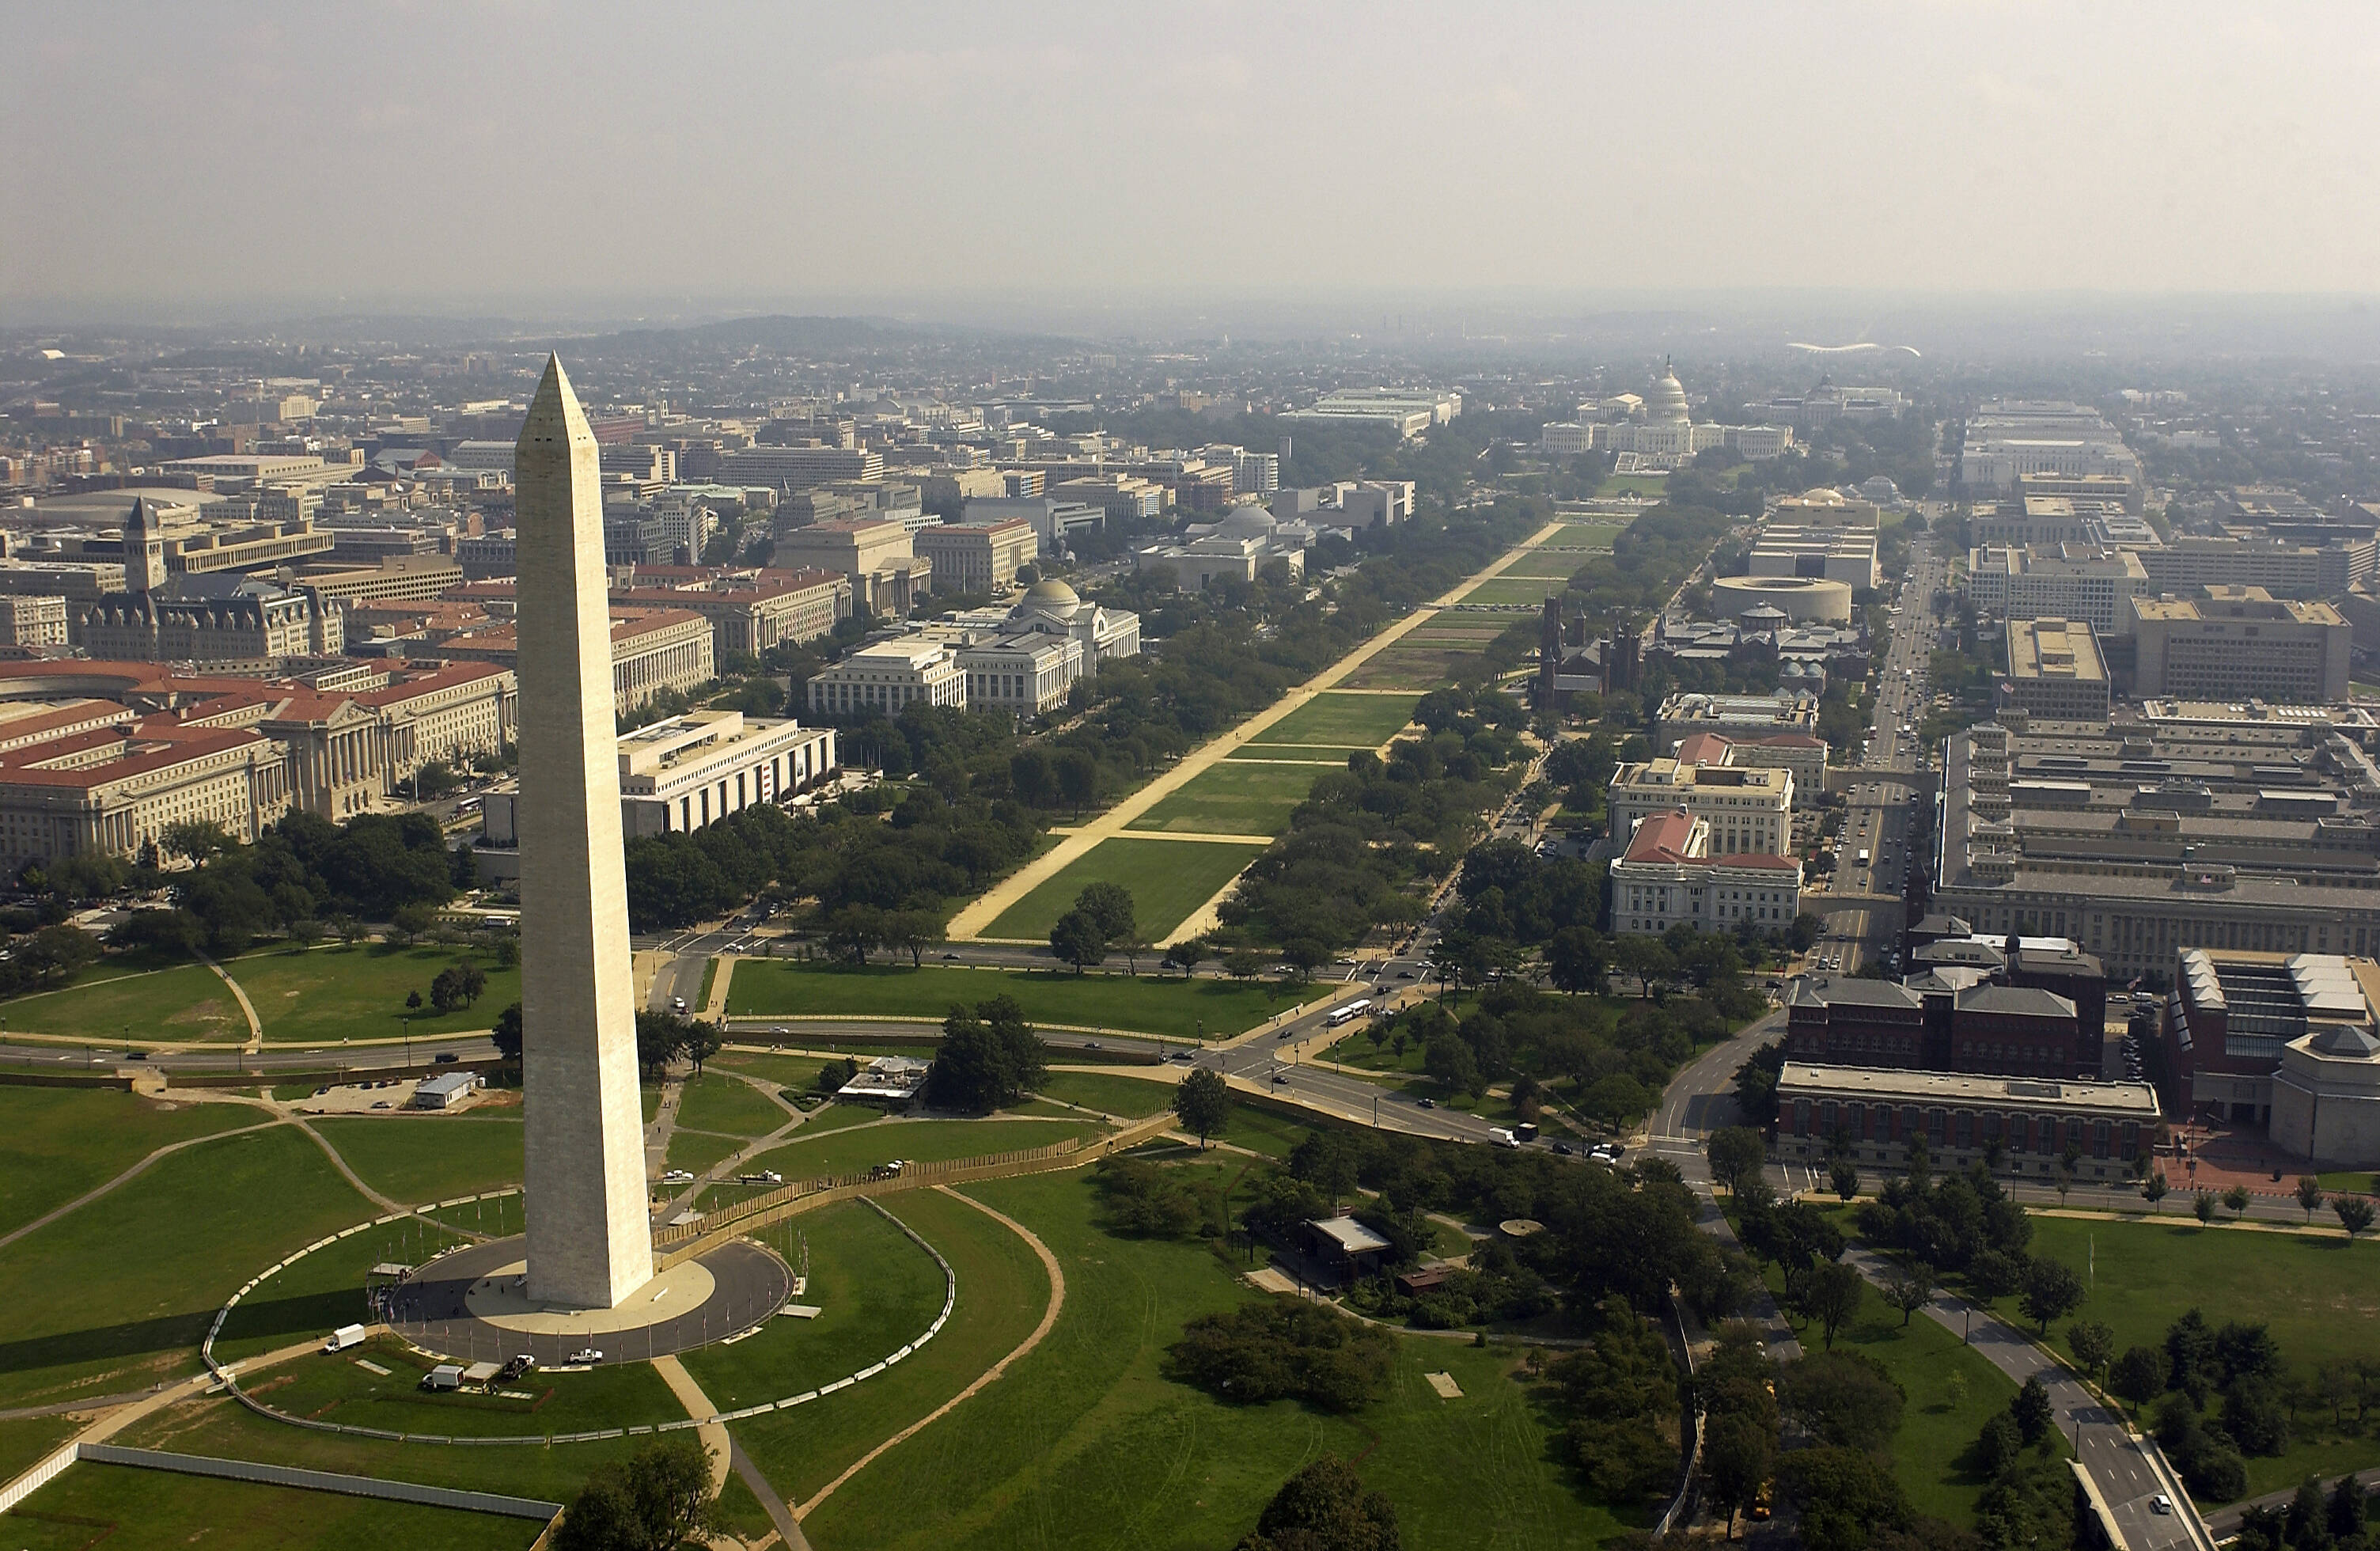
(1318, 755)
(699, 1150)
(1143, 1003)
(1084, 1443)
(57, 1143)
(1933, 1433)
(2319, 1296)
(797, 1073)
(26, 1441)
(1232, 799)
(1554, 565)
(1130, 1096)
(1002, 1291)
(183, 1005)
(1169, 879)
(330, 994)
(332, 1387)
(1415, 667)
(1583, 536)
(117, 1294)
(878, 1292)
(1349, 721)
(714, 1102)
(1509, 588)
(864, 1147)
(148, 1510)
(1625, 484)
(428, 1158)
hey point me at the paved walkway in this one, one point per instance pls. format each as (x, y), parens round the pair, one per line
(247, 1008)
(988, 907)
(1049, 1319)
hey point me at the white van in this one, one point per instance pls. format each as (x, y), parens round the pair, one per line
(345, 1336)
(1498, 1136)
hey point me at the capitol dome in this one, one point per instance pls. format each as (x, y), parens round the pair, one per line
(1668, 399)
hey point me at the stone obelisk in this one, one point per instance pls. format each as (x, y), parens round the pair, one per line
(589, 1245)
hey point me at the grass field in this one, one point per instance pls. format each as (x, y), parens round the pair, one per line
(186, 1004)
(1110, 1001)
(1934, 1435)
(1509, 588)
(333, 1388)
(797, 1073)
(26, 1441)
(714, 1102)
(2319, 1296)
(877, 1290)
(864, 1147)
(1557, 565)
(1132, 1097)
(1228, 799)
(1319, 756)
(1084, 1443)
(1345, 721)
(137, 1510)
(1420, 667)
(57, 1143)
(699, 1150)
(330, 994)
(1002, 1291)
(116, 1295)
(1631, 484)
(1168, 881)
(422, 1158)
(1583, 536)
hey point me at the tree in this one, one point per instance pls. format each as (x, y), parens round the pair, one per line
(703, 1040)
(2052, 1290)
(1831, 1295)
(2032, 1410)
(1244, 963)
(1448, 1061)
(912, 932)
(2154, 1190)
(2093, 1345)
(988, 1057)
(1843, 1398)
(1737, 1153)
(1910, 1291)
(1077, 939)
(660, 1500)
(1110, 907)
(1325, 1508)
(856, 929)
(2354, 1213)
(2202, 1205)
(411, 920)
(659, 1036)
(2237, 1201)
(1843, 1174)
(1189, 954)
(1078, 779)
(506, 1034)
(1574, 959)
(1738, 1457)
(1203, 1104)
(2308, 1195)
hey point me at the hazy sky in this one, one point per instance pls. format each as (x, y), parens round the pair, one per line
(258, 158)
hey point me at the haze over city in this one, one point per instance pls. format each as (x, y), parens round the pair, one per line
(1230, 778)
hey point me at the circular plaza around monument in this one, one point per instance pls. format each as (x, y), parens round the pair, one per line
(471, 1306)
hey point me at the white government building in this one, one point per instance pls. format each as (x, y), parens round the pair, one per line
(1023, 659)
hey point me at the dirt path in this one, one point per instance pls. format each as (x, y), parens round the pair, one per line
(971, 922)
(247, 1008)
(97, 1191)
(1049, 1319)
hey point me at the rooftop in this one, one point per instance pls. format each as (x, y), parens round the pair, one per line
(1952, 1087)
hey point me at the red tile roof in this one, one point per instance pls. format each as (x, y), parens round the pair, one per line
(1662, 837)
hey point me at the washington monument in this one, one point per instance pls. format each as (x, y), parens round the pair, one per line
(589, 1245)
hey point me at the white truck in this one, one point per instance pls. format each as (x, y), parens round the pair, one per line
(1499, 1138)
(345, 1336)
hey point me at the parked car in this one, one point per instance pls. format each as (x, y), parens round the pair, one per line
(590, 1356)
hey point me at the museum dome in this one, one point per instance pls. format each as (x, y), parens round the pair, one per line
(1051, 599)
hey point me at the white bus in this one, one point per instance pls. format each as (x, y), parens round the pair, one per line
(1342, 1014)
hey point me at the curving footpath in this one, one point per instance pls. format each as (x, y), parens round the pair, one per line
(1049, 1318)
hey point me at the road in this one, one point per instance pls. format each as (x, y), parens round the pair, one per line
(1863, 907)
(1699, 1100)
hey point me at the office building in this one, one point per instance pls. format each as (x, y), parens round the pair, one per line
(889, 676)
(976, 556)
(652, 649)
(2079, 582)
(1835, 554)
(1053, 520)
(796, 467)
(2281, 568)
(1668, 877)
(2137, 841)
(2268, 1037)
(1803, 756)
(876, 557)
(1747, 809)
(2233, 643)
(2009, 439)
(1406, 412)
(29, 620)
(1735, 716)
(113, 791)
(2055, 671)
(2014, 1126)
(685, 772)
